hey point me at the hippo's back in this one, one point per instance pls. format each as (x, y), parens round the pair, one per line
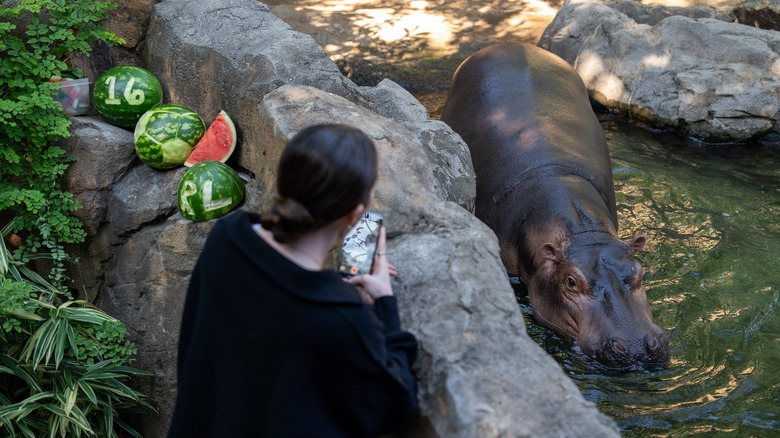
(520, 104)
(534, 139)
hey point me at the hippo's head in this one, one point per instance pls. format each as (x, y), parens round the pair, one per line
(591, 292)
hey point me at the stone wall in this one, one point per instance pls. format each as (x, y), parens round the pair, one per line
(480, 374)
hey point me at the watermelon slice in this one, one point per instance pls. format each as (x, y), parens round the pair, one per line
(217, 143)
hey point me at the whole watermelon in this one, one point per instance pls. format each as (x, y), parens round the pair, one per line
(166, 135)
(123, 94)
(208, 190)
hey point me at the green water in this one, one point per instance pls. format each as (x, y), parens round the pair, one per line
(711, 216)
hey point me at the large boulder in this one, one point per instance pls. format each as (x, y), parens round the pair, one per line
(480, 374)
(714, 80)
(449, 155)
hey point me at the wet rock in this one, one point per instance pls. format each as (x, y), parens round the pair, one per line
(712, 79)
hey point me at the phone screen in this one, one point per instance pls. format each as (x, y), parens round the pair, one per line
(357, 252)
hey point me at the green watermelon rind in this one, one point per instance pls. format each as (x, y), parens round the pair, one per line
(222, 117)
(224, 192)
(166, 135)
(124, 114)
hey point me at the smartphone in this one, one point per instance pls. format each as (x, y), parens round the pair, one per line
(357, 252)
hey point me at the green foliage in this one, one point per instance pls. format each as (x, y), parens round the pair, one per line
(63, 363)
(30, 119)
(62, 366)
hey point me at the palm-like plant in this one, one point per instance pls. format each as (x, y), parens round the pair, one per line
(63, 366)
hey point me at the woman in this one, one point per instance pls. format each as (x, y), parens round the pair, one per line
(272, 345)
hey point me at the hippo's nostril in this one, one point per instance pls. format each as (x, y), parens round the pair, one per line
(651, 342)
(619, 345)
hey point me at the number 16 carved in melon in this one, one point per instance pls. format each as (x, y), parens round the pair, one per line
(123, 94)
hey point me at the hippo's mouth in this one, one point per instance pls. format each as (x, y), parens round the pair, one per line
(615, 354)
(618, 354)
(615, 369)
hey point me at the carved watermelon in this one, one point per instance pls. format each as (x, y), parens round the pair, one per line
(208, 190)
(123, 94)
(166, 134)
(217, 144)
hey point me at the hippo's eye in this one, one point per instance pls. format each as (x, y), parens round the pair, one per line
(572, 281)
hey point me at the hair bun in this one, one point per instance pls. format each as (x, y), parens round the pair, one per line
(288, 219)
(324, 173)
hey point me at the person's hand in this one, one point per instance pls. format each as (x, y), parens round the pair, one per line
(376, 284)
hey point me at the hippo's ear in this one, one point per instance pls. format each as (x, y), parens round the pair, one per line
(636, 244)
(551, 252)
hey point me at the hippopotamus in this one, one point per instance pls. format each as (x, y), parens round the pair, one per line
(544, 186)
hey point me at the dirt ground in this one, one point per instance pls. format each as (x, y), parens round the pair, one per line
(420, 43)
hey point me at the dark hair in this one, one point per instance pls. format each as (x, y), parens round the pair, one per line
(324, 173)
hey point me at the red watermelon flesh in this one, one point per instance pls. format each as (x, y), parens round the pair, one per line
(217, 143)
